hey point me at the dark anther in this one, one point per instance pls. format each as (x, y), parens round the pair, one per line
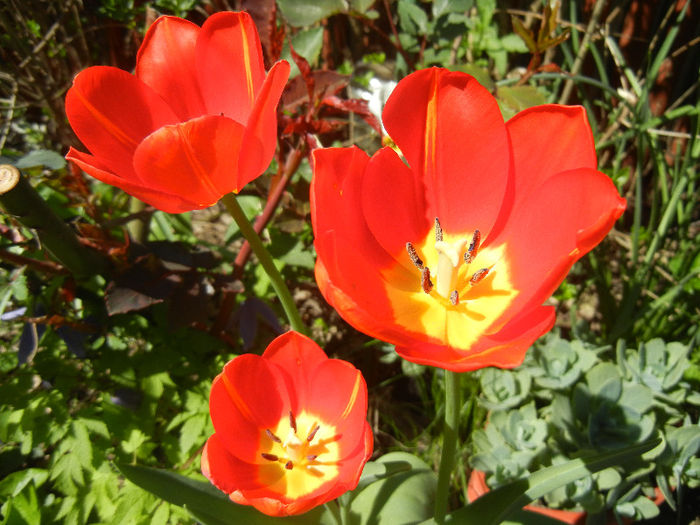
(454, 297)
(438, 230)
(292, 422)
(418, 263)
(425, 281)
(269, 457)
(312, 434)
(311, 457)
(479, 276)
(272, 436)
(473, 247)
(289, 465)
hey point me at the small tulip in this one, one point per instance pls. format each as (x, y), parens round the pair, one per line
(290, 428)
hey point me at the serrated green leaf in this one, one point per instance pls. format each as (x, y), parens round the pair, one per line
(192, 432)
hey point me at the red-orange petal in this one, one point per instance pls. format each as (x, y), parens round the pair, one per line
(338, 395)
(451, 131)
(505, 349)
(163, 201)
(197, 159)
(297, 357)
(404, 216)
(166, 62)
(249, 389)
(563, 141)
(260, 139)
(111, 111)
(562, 220)
(230, 64)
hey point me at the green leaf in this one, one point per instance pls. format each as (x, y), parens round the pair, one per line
(406, 496)
(499, 504)
(14, 483)
(306, 12)
(203, 499)
(412, 18)
(42, 157)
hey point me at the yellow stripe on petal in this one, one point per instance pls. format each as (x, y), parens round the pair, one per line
(353, 396)
(246, 59)
(430, 140)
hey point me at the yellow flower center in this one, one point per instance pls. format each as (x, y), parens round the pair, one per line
(306, 451)
(472, 288)
(450, 256)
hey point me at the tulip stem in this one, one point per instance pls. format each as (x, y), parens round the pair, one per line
(266, 261)
(449, 444)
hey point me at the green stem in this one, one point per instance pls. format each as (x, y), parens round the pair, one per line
(266, 261)
(449, 444)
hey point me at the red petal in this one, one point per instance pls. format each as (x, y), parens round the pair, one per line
(297, 357)
(547, 140)
(218, 465)
(560, 221)
(111, 111)
(166, 63)
(339, 398)
(401, 218)
(196, 159)
(451, 131)
(162, 201)
(249, 394)
(260, 139)
(505, 349)
(230, 64)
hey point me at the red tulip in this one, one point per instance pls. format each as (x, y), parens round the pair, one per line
(450, 254)
(197, 120)
(290, 428)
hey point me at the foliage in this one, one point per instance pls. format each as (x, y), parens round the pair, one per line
(595, 405)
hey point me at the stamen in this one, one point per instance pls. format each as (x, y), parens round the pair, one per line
(425, 281)
(312, 434)
(479, 276)
(454, 298)
(289, 465)
(269, 457)
(438, 230)
(417, 262)
(311, 457)
(473, 247)
(272, 436)
(292, 422)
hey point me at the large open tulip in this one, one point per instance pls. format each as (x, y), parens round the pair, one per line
(197, 120)
(290, 428)
(450, 252)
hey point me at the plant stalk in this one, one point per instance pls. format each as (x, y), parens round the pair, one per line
(266, 261)
(19, 199)
(449, 444)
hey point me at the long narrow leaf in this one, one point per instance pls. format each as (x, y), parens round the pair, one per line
(496, 506)
(204, 500)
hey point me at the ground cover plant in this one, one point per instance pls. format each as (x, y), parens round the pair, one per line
(349, 262)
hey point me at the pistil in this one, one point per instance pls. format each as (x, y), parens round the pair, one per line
(450, 257)
(295, 451)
